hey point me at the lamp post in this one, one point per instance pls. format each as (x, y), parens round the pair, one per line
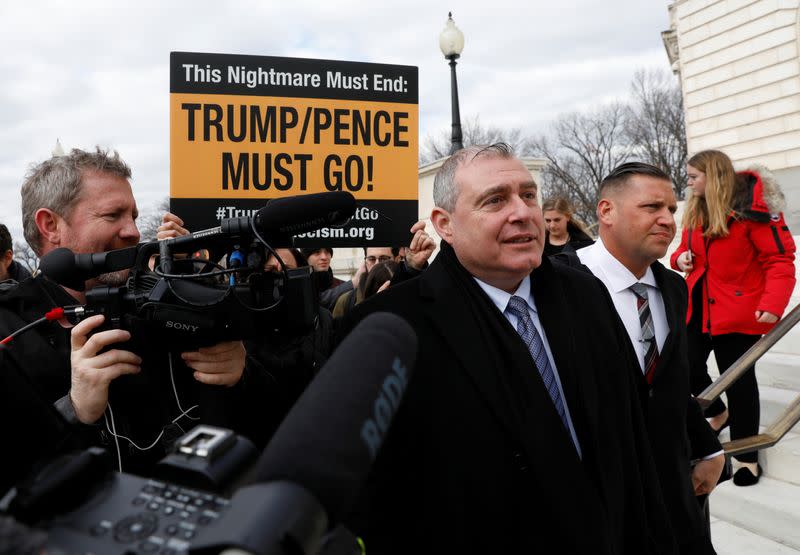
(451, 42)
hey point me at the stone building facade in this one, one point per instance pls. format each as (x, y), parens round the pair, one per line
(739, 69)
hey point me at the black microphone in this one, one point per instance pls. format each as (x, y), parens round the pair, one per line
(290, 216)
(329, 439)
(313, 468)
(277, 221)
(298, 214)
(72, 270)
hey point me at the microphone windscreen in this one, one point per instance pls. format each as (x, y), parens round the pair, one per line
(329, 439)
(293, 215)
(72, 270)
(59, 265)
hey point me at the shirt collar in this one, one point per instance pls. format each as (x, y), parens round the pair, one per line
(619, 277)
(500, 298)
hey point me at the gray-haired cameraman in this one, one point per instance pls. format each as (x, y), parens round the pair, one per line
(133, 405)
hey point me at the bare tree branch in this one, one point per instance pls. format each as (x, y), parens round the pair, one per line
(435, 147)
(24, 254)
(656, 127)
(581, 150)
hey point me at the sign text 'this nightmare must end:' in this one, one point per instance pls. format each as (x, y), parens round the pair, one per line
(252, 78)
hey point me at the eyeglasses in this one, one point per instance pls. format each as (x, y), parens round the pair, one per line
(373, 259)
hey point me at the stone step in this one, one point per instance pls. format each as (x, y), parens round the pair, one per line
(781, 461)
(781, 370)
(770, 509)
(789, 343)
(730, 539)
(774, 401)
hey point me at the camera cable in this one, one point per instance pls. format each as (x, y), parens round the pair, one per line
(112, 428)
(51, 316)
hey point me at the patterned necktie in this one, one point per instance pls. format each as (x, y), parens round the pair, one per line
(648, 331)
(519, 308)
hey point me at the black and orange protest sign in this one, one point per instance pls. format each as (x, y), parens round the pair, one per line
(245, 129)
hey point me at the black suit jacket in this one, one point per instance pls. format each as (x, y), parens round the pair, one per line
(678, 431)
(461, 472)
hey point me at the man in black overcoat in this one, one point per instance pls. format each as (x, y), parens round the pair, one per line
(481, 457)
(636, 225)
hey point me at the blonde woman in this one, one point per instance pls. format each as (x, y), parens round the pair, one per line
(562, 229)
(738, 255)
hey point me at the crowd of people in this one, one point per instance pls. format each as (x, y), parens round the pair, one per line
(551, 409)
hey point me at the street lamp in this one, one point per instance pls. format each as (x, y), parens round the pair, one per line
(451, 42)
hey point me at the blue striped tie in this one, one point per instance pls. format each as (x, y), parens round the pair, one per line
(519, 308)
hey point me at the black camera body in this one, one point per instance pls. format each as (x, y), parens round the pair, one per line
(168, 302)
(180, 314)
(86, 507)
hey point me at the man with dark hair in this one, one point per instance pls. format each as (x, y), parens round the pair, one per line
(9, 268)
(83, 201)
(521, 429)
(636, 225)
(320, 260)
(330, 287)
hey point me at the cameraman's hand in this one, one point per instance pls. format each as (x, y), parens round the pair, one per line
(92, 373)
(221, 364)
(171, 227)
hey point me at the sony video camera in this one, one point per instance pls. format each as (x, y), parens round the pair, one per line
(176, 296)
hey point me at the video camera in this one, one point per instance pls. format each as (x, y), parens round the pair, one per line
(207, 496)
(174, 305)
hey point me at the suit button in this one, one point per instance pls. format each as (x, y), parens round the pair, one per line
(522, 464)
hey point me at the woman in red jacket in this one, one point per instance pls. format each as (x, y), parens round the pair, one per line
(738, 255)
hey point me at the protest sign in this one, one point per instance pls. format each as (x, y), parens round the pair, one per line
(244, 129)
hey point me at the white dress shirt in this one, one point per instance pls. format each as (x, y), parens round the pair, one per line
(500, 298)
(618, 279)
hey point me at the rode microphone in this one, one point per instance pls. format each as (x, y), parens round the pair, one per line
(313, 468)
(328, 441)
(72, 270)
(293, 215)
(277, 221)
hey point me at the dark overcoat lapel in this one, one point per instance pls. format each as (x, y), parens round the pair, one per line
(674, 319)
(448, 313)
(674, 423)
(579, 387)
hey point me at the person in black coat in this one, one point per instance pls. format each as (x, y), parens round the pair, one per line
(10, 269)
(481, 457)
(636, 224)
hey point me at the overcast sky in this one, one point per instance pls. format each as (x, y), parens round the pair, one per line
(91, 72)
